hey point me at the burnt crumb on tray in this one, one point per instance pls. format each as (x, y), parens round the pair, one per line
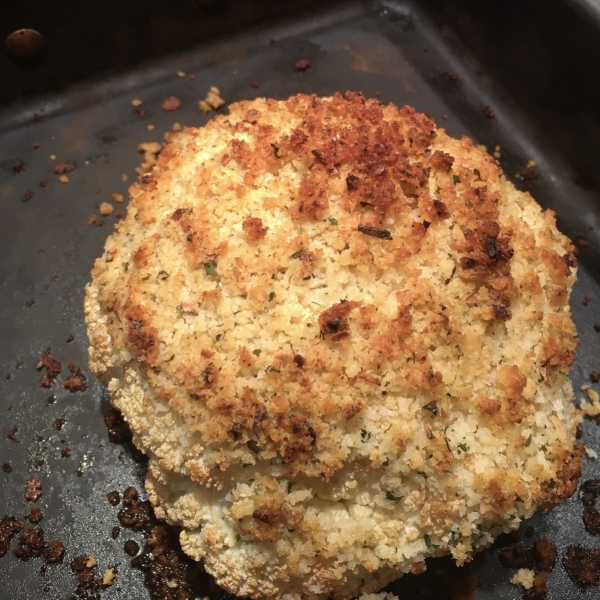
(9, 527)
(589, 492)
(582, 565)
(76, 382)
(33, 489)
(62, 168)
(31, 543)
(6, 468)
(302, 64)
(12, 434)
(119, 433)
(170, 104)
(52, 367)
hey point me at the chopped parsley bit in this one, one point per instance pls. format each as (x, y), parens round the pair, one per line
(463, 447)
(178, 308)
(456, 178)
(219, 336)
(163, 275)
(455, 536)
(541, 378)
(256, 352)
(365, 435)
(211, 267)
(528, 440)
(309, 324)
(390, 496)
(432, 408)
(289, 486)
(170, 359)
(427, 539)
(386, 384)
(253, 445)
(190, 237)
(422, 473)
(332, 220)
(297, 254)
(271, 296)
(468, 203)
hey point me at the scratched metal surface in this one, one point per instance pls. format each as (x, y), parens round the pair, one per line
(47, 249)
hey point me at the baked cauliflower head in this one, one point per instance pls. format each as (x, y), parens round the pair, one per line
(343, 339)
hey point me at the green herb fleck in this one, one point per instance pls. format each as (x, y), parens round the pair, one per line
(178, 308)
(455, 536)
(219, 336)
(456, 178)
(390, 496)
(163, 275)
(427, 539)
(190, 237)
(528, 440)
(256, 352)
(365, 435)
(210, 267)
(468, 203)
(271, 296)
(541, 378)
(253, 445)
(289, 486)
(297, 254)
(463, 447)
(309, 324)
(332, 220)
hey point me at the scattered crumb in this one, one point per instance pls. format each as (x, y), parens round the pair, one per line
(70, 338)
(587, 299)
(488, 111)
(176, 127)
(35, 515)
(594, 377)
(106, 209)
(67, 166)
(43, 183)
(58, 424)
(64, 179)
(119, 214)
(531, 164)
(76, 382)
(529, 174)
(91, 562)
(52, 367)
(114, 498)
(27, 196)
(33, 489)
(150, 150)
(524, 578)
(12, 434)
(19, 166)
(124, 177)
(482, 147)
(92, 219)
(117, 197)
(212, 100)
(30, 302)
(109, 576)
(136, 102)
(170, 104)
(591, 408)
(452, 76)
(591, 453)
(497, 152)
(445, 117)
(180, 73)
(150, 127)
(254, 84)
(53, 157)
(36, 145)
(65, 452)
(192, 77)
(54, 552)
(302, 65)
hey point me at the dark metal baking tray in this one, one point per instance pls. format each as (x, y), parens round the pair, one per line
(535, 63)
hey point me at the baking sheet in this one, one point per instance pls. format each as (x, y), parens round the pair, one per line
(396, 48)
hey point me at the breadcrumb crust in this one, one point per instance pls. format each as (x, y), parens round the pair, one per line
(343, 339)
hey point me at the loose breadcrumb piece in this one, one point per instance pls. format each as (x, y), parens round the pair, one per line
(136, 102)
(524, 578)
(117, 197)
(106, 208)
(212, 100)
(64, 178)
(109, 576)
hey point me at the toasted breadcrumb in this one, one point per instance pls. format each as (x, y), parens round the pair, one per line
(524, 578)
(105, 209)
(343, 338)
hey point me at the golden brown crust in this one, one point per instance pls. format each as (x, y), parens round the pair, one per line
(337, 331)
